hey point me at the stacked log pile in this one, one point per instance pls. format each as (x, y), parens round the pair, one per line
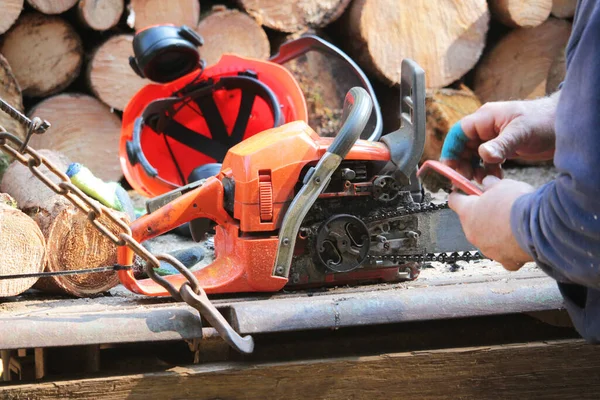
(67, 61)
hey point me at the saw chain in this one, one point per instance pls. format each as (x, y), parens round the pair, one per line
(387, 216)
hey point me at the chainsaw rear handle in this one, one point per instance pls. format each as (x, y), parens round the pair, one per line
(356, 114)
(295, 48)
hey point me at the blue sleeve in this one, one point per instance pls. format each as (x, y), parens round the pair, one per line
(558, 225)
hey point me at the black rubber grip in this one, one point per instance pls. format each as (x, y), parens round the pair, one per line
(357, 111)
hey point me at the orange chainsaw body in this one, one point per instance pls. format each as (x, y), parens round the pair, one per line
(266, 169)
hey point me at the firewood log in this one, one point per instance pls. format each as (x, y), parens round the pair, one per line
(52, 6)
(445, 38)
(11, 93)
(45, 53)
(292, 15)
(445, 107)
(234, 32)
(109, 75)
(563, 8)
(22, 246)
(71, 241)
(11, 9)
(153, 12)
(521, 14)
(100, 15)
(84, 130)
(517, 66)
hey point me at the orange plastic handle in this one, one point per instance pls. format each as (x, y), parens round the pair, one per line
(184, 209)
(457, 179)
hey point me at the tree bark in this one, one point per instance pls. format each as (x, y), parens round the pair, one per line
(71, 240)
(100, 15)
(52, 6)
(444, 108)
(445, 38)
(84, 130)
(23, 248)
(109, 75)
(45, 53)
(234, 32)
(563, 8)
(292, 15)
(153, 12)
(11, 9)
(517, 67)
(11, 93)
(521, 14)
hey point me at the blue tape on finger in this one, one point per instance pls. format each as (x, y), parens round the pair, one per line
(455, 143)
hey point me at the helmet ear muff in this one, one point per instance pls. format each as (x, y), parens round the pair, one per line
(164, 53)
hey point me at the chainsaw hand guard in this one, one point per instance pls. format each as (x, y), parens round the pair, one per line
(408, 142)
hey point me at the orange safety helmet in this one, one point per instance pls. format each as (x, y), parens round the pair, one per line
(190, 117)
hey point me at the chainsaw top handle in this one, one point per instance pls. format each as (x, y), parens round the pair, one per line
(357, 110)
(356, 114)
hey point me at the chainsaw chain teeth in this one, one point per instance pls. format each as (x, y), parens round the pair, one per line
(383, 216)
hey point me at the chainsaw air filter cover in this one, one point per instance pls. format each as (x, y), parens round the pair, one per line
(163, 53)
(170, 129)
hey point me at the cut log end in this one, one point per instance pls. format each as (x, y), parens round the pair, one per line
(10, 92)
(45, 53)
(518, 66)
(74, 243)
(110, 77)
(445, 107)
(52, 6)
(100, 15)
(231, 31)
(383, 33)
(153, 12)
(11, 9)
(291, 15)
(71, 241)
(22, 247)
(521, 14)
(84, 130)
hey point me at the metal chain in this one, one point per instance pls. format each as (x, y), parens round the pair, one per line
(190, 292)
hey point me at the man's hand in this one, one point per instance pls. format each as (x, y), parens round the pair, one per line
(486, 220)
(507, 130)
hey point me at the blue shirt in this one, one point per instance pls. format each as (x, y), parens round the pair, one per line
(559, 224)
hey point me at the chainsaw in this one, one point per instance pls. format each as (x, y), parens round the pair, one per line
(290, 209)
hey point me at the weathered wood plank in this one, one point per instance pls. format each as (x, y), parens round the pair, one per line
(552, 370)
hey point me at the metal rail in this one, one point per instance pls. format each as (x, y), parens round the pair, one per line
(109, 320)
